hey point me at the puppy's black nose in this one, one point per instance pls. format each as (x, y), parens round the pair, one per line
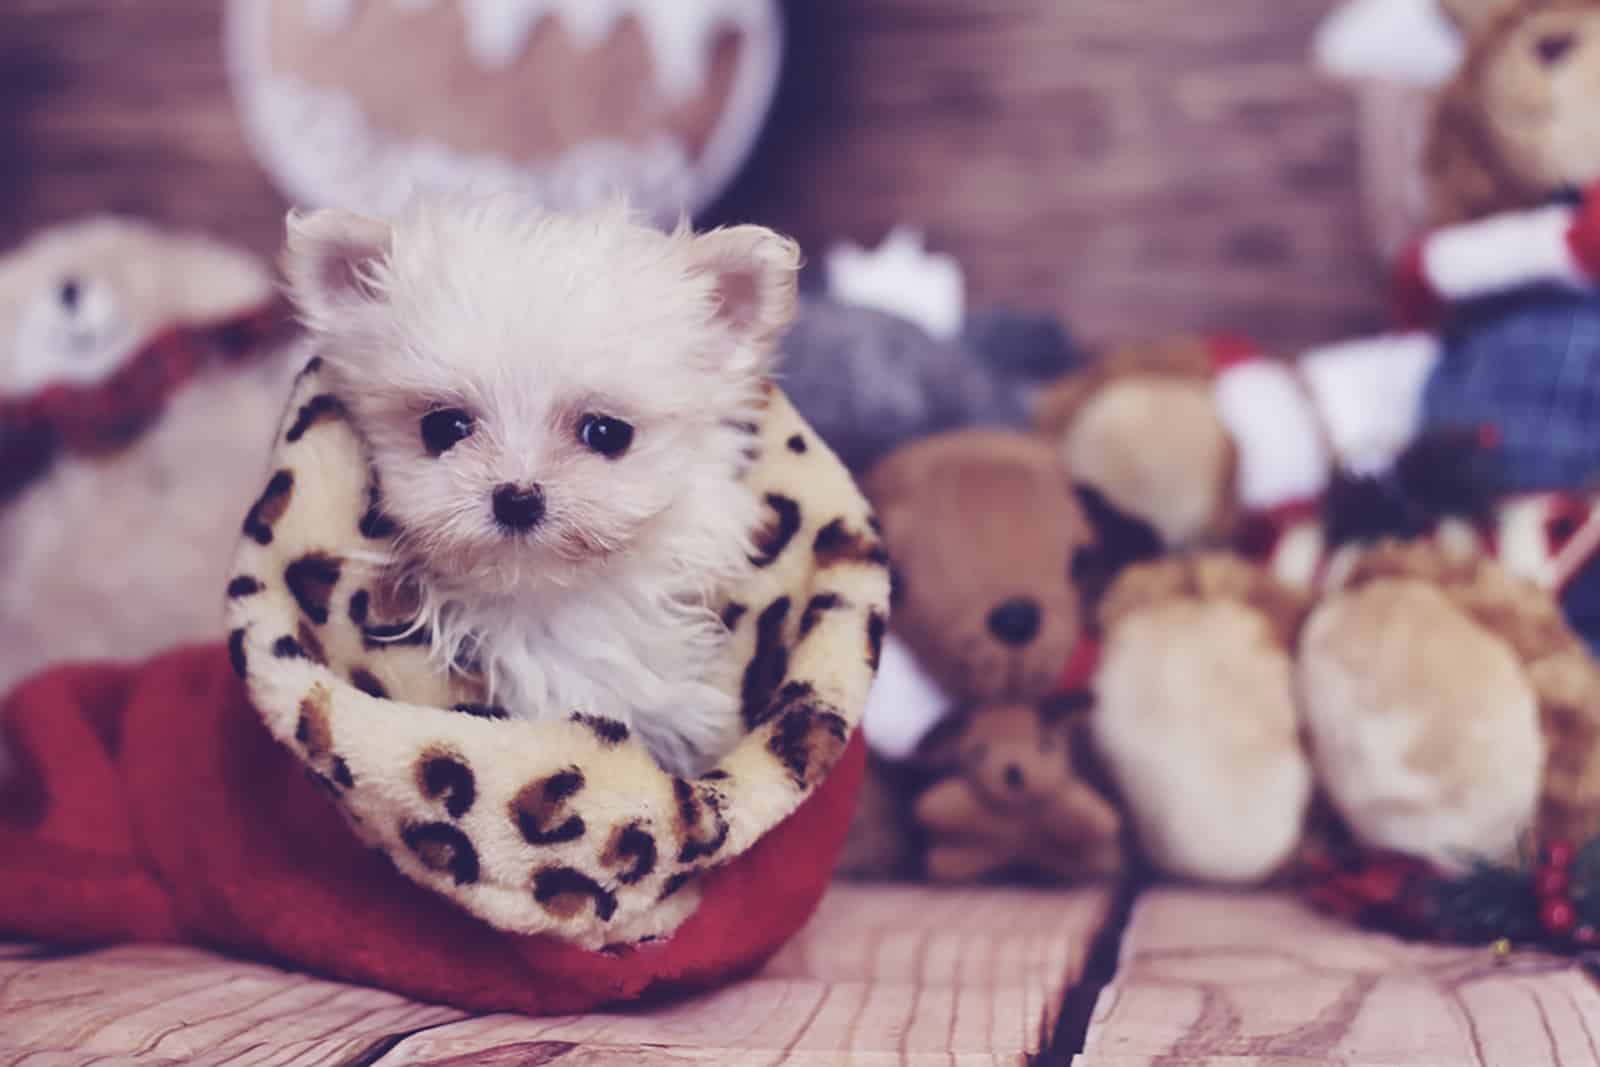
(518, 508)
(70, 292)
(1016, 622)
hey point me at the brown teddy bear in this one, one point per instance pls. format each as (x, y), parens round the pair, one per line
(991, 549)
(1447, 703)
(1019, 797)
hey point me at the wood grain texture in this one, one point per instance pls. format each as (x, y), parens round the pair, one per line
(1142, 165)
(880, 976)
(1214, 978)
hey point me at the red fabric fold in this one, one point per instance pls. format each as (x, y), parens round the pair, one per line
(151, 804)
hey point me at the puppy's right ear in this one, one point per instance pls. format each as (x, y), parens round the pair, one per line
(333, 260)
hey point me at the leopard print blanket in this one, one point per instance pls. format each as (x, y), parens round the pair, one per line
(560, 827)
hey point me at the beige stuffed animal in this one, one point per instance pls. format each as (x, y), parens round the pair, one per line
(140, 381)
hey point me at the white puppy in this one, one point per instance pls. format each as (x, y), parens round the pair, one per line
(559, 408)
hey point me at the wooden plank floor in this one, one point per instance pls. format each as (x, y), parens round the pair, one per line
(1228, 981)
(880, 976)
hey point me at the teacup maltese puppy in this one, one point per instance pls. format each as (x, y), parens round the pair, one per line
(559, 409)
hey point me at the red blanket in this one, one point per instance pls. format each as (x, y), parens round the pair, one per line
(150, 804)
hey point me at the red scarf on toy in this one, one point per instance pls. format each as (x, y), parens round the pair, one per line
(110, 415)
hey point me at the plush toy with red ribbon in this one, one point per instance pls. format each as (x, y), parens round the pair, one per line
(981, 764)
(141, 373)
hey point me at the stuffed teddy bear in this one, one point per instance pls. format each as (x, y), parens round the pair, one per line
(360, 103)
(141, 376)
(888, 352)
(1500, 303)
(1018, 797)
(1447, 705)
(977, 758)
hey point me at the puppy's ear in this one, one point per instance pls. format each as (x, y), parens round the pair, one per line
(332, 261)
(756, 275)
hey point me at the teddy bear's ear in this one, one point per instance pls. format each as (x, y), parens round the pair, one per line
(891, 480)
(333, 261)
(756, 273)
(1118, 542)
(1477, 16)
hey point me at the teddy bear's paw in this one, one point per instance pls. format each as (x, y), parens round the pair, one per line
(1514, 608)
(1568, 688)
(1423, 721)
(1195, 720)
(1205, 577)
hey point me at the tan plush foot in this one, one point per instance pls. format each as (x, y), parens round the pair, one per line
(1422, 704)
(1195, 717)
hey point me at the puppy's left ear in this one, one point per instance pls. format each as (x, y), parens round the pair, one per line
(756, 274)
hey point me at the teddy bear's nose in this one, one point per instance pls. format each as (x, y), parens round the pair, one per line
(1016, 622)
(518, 508)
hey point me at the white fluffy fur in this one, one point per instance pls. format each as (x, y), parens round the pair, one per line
(529, 321)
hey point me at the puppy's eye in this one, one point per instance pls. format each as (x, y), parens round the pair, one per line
(605, 435)
(445, 428)
(1555, 47)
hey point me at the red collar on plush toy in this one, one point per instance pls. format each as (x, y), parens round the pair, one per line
(1079, 672)
(102, 418)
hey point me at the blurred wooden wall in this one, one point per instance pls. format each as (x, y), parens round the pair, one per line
(1143, 165)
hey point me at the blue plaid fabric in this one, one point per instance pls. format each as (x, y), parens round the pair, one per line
(1529, 365)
